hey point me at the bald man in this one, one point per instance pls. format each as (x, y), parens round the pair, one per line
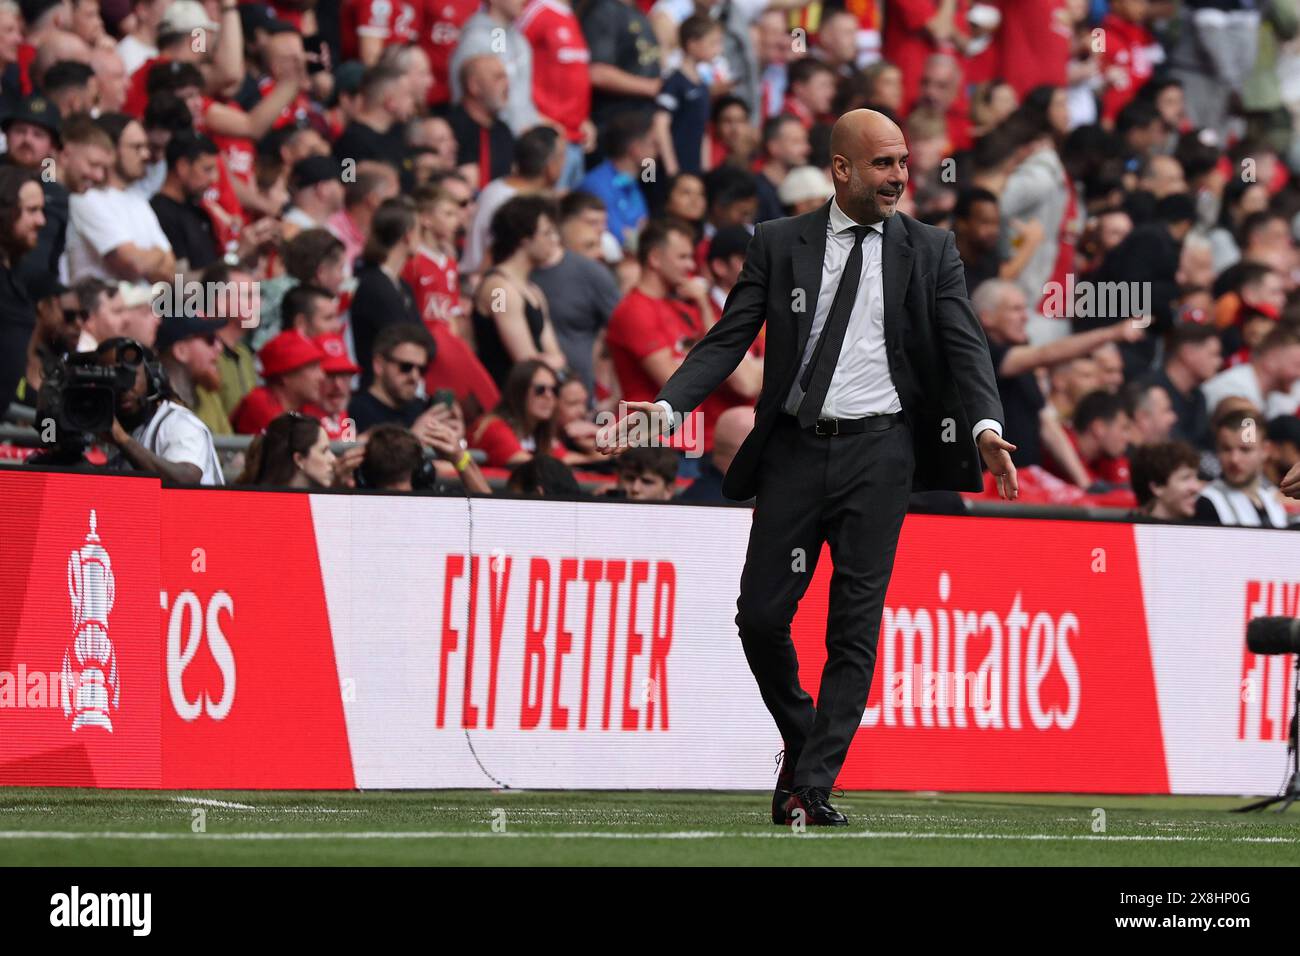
(877, 380)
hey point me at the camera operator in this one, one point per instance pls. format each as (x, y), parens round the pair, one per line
(154, 434)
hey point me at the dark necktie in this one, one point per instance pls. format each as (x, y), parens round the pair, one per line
(816, 378)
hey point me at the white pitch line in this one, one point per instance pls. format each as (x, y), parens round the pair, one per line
(214, 803)
(676, 835)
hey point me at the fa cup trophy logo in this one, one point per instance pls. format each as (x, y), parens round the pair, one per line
(90, 688)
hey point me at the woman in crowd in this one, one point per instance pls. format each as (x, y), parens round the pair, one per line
(525, 421)
(293, 452)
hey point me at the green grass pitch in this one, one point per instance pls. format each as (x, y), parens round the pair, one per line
(79, 827)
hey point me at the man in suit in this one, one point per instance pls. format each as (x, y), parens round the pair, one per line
(877, 381)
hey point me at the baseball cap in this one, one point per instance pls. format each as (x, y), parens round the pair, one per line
(184, 16)
(336, 355)
(804, 183)
(313, 170)
(38, 111)
(254, 16)
(178, 328)
(288, 351)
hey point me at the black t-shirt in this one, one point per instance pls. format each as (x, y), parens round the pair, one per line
(1022, 401)
(492, 147)
(188, 229)
(981, 270)
(621, 35)
(378, 302)
(17, 320)
(359, 141)
(1193, 424)
(769, 201)
(366, 412)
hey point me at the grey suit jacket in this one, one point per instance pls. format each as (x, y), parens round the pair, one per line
(938, 355)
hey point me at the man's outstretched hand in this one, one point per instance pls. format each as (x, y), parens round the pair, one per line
(614, 438)
(997, 455)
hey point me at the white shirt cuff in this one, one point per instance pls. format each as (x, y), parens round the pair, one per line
(984, 423)
(668, 412)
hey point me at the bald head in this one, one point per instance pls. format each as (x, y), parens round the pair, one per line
(857, 131)
(868, 164)
(732, 428)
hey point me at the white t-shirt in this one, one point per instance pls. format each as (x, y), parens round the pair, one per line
(154, 175)
(134, 54)
(100, 220)
(1241, 380)
(301, 219)
(176, 434)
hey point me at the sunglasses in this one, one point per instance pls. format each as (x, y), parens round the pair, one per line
(406, 368)
(75, 315)
(540, 390)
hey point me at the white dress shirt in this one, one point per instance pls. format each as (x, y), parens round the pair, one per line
(861, 384)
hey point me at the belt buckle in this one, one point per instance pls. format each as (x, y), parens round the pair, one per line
(833, 422)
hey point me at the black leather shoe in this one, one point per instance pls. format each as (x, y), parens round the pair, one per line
(784, 785)
(817, 811)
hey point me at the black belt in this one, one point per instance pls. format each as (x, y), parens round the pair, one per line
(830, 427)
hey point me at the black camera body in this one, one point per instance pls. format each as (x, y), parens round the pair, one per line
(79, 396)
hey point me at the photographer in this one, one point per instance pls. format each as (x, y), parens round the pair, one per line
(152, 433)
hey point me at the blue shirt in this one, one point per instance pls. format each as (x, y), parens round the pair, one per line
(624, 201)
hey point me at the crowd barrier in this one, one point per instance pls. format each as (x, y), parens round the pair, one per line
(197, 638)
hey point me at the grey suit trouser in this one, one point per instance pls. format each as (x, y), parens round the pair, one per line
(851, 491)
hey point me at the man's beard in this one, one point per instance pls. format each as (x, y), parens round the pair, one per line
(209, 378)
(870, 199)
(133, 420)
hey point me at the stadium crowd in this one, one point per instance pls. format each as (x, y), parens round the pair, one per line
(434, 226)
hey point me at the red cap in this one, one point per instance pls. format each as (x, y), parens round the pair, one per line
(288, 351)
(336, 354)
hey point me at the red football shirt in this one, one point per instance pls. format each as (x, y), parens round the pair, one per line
(498, 441)
(907, 45)
(259, 408)
(640, 326)
(441, 21)
(393, 21)
(435, 279)
(1130, 48)
(1033, 43)
(561, 78)
(293, 114)
(238, 152)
